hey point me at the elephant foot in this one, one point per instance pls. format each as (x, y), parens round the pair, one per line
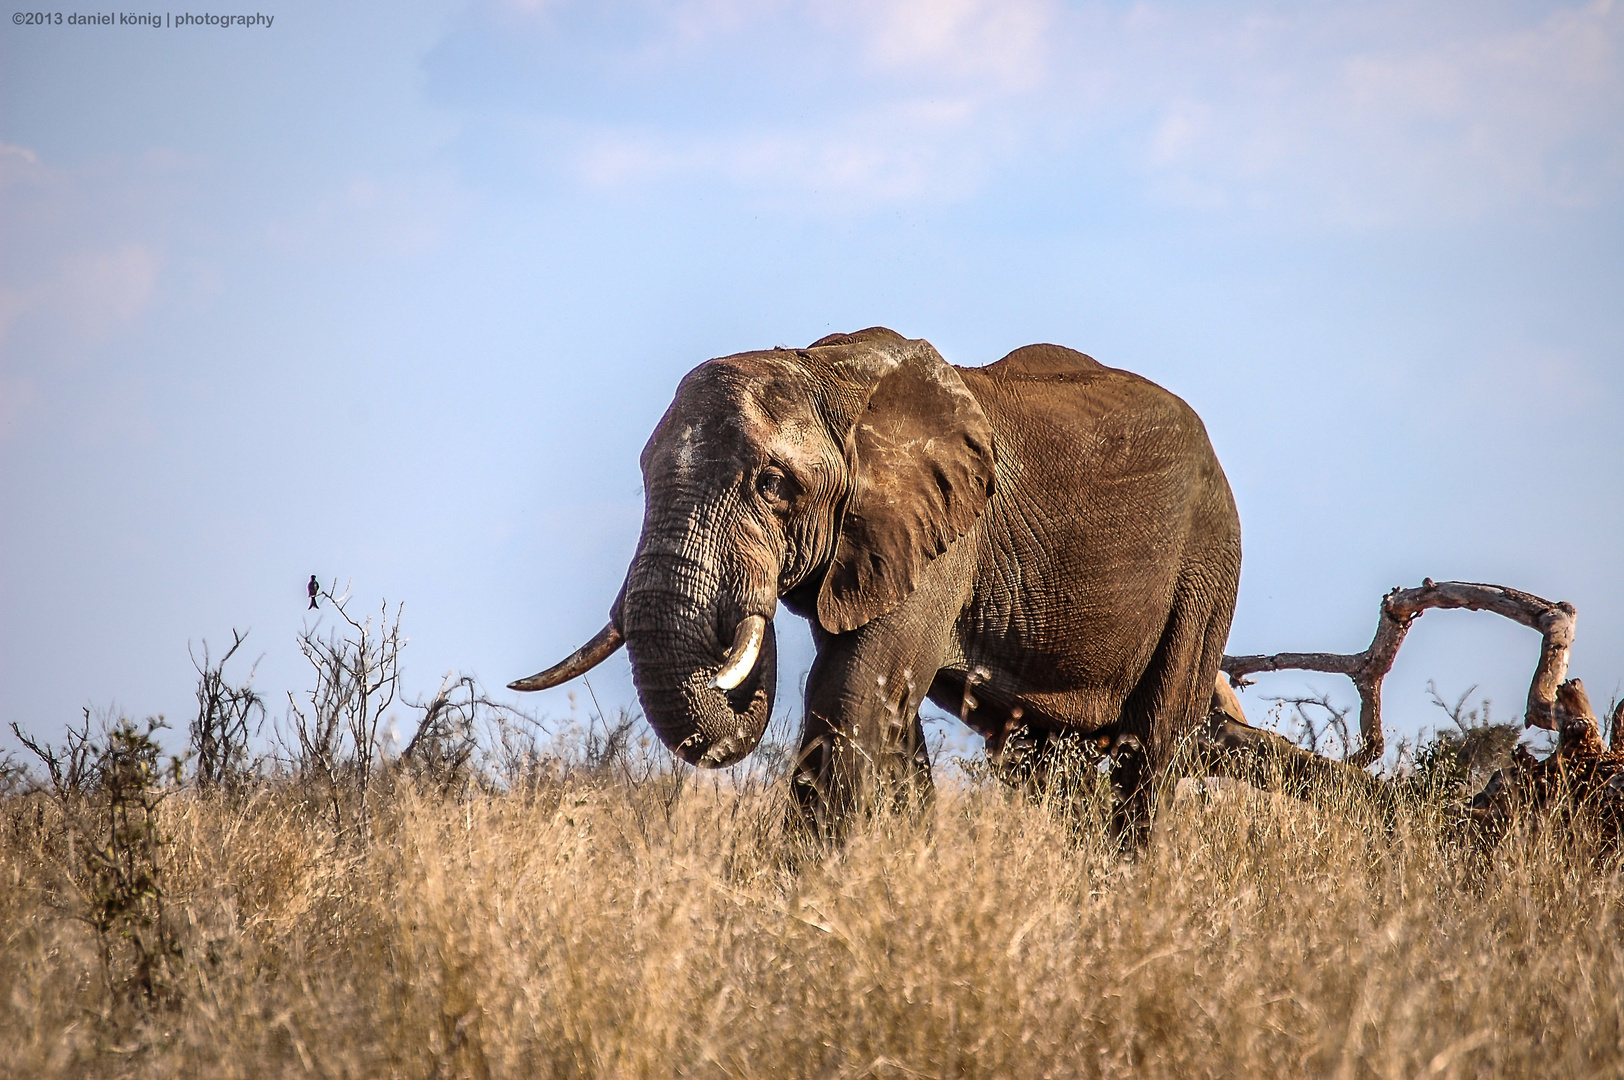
(809, 836)
(815, 818)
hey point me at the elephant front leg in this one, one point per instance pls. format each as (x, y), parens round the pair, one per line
(839, 777)
(863, 748)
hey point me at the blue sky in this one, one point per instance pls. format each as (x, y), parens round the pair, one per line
(396, 296)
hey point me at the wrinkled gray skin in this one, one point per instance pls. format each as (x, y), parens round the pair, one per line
(1060, 526)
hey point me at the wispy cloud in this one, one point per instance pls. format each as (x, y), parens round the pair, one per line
(87, 293)
(883, 156)
(1382, 114)
(1342, 115)
(400, 215)
(998, 47)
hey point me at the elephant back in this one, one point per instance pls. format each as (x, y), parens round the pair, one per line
(1043, 362)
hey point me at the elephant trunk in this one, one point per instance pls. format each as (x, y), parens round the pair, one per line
(704, 658)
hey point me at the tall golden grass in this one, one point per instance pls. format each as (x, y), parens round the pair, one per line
(594, 928)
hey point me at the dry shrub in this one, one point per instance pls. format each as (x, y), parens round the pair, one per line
(501, 935)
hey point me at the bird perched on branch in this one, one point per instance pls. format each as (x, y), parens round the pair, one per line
(314, 590)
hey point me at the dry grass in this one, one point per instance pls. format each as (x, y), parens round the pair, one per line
(608, 929)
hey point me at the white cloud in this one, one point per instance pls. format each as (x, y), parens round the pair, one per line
(80, 299)
(885, 100)
(106, 289)
(64, 309)
(987, 40)
(15, 157)
(999, 45)
(884, 157)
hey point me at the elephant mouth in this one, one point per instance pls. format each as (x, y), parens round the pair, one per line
(729, 750)
(711, 715)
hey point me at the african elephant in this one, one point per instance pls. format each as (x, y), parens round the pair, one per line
(1052, 533)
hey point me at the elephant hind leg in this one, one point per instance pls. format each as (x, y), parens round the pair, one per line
(1170, 702)
(1133, 782)
(1061, 771)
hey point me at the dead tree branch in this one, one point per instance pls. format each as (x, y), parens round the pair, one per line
(357, 669)
(1583, 779)
(1399, 609)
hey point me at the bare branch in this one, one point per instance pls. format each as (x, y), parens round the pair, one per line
(1400, 608)
(446, 741)
(1334, 723)
(225, 713)
(357, 666)
(71, 768)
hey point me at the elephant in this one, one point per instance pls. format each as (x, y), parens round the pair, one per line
(1045, 546)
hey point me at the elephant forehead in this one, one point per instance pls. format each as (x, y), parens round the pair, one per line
(736, 409)
(733, 399)
(781, 422)
(706, 431)
(689, 444)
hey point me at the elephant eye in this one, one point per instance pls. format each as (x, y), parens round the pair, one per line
(773, 485)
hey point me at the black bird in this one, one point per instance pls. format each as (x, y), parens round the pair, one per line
(315, 590)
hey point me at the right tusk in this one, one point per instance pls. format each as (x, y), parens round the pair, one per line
(580, 662)
(741, 658)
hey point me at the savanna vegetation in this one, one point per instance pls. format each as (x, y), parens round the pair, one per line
(501, 899)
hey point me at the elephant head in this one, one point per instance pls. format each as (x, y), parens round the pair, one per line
(828, 476)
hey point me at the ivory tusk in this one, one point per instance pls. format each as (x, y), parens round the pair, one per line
(741, 658)
(579, 662)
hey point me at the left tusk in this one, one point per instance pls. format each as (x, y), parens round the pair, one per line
(741, 658)
(581, 661)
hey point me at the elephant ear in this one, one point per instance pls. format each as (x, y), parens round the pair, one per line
(920, 454)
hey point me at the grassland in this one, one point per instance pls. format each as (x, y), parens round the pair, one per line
(592, 924)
